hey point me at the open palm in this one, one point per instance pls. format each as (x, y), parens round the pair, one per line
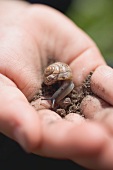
(30, 36)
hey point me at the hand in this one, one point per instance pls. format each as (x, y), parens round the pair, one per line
(30, 34)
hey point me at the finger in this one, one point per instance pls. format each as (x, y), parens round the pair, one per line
(106, 117)
(86, 62)
(72, 141)
(101, 83)
(18, 120)
(92, 105)
(62, 137)
(75, 118)
(40, 104)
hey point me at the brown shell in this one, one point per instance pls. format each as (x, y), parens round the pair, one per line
(57, 71)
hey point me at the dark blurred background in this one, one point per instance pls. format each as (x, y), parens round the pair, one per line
(61, 5)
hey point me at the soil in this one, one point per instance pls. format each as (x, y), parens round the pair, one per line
(71, 103)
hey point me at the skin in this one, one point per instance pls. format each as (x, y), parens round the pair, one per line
(27, 38)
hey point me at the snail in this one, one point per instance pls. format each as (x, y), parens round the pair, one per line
(59, 71)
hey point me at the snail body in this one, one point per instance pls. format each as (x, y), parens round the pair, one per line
(59, 72)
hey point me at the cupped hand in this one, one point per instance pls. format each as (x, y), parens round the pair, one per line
(31, 35)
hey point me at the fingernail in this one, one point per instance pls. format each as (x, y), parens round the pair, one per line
(19, 136)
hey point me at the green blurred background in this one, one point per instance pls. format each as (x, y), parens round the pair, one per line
(95, 17)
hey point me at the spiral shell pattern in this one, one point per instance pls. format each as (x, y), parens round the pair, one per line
(57, 71)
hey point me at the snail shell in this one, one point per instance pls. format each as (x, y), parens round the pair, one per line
(57, 71)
